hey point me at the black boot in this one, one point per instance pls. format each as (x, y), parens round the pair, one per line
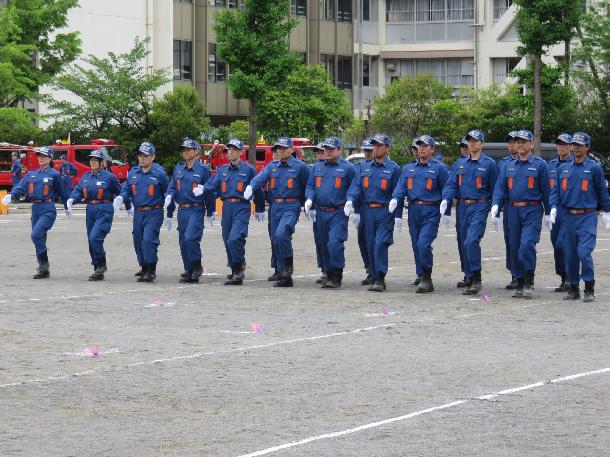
(573, 292)
(285, 280)
(464, 283)
(274, 277)
(518, 289)
(289, 265)
(185, 275)
(425, 285)
(589, 291)
(418, 280)
(564, 286)
(230, 276)
(101, 266)
(514, 284)
(139, 274)
(323, 278)
(97, 275)
(528, 285)
(379, 285)
(43, 267)
(238, 275)
(196, 271)
(370, 279)
(334, 281)
(475, 284)
(149, 273)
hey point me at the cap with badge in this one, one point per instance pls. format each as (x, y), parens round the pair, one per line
(564, 138)
(97, 154)
(146, 149)
(476, 135)
(332, 142)
(426, 139)
(318, 147)
(382, 139)
(45, 151)
(283, 142)
(414, 144)
(366, 144)
(511, 135)
(525, 135)
(236, 143)
(464, 142)
(187, 143)
(14, 154)
(581, 138)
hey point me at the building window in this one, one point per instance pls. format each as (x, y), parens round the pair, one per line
(183, 60)
(369, 10)
(328, 60)
(176, 1)
(344, 11)
(451, 72)
(500, 7)
(344, 72)
(217, 2)
(217, 68)
(502, 68)
(298, 8)
(303, 57)
(429, 10)
(328, 10)
(369, 70)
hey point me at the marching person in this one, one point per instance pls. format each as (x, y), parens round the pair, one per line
(471, 182)
(463, 150)
(564, 147)
(67, 170)
(287, 181)
(145, 189)
(326, 191)
(186, 190)
(16, 168)
(275, 157)
(422, 183)
(97, 189)
(311, 214)
(41, 186)
(367, 150)
(371, 191)
(580, 188)
(523, 188)
(512, 155)
(229, 183)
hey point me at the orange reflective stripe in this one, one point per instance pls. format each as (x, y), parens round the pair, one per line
(240, 186)
(429, 184)
(585, 185)
(100, 193)
(193, 186)
(530, 182)
(151, 190)
(133, 189)
(460, 179)
(510, 182)
(223, 187)
(410, 183)
(365, 182)
(318, 181)
(564, 184)
(338, 182)
(46, 189)
(290, 183)
(85, 193)
(552, 183)
(384, 184)
(479, 182)
(178, 185)
(272, 184)
(31, 188)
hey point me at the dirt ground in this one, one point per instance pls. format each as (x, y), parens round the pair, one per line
(342, 373)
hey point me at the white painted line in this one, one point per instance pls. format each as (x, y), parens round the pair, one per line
(380, 423)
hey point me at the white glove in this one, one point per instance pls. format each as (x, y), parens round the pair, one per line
(356, 220)
(606, 220)
(69, 204)
(496, 222)
(116, 204)
(68, 213)
(130, 212)
(494, 211)
(311, 215)
(211, 219)
(548, 222)
(398, 224)
(553, 215)
(168, 201)
(198, 190)
(248, 192)
(393, 205)
(349, 206)
(169, 221)
(7, 199)
(308, 204)
(446, 220)
(260, 217)
(443, 206)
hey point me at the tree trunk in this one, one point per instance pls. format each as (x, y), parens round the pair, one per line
(537, 103)
(567, 62)
(252, 133)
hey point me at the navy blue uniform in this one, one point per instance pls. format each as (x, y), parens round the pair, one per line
(524, 188)
(316, 229)
(556, 232)
(501, 165)
(68, 170)
(327, 188)
(364, 253)
(42, 187)
(16, 170)
(97, 190)
(422, 184)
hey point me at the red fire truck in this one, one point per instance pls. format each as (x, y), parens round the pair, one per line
(26, 155)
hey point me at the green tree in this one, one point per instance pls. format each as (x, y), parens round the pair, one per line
(236, 129)
(178, 114)
(28, 28)
(254, 42)
(307, 104)
(117, 95)
(541, 24)
(17, 126)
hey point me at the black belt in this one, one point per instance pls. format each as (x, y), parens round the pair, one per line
(330, 209)
(45, 200)
(376, 205)
(234, 200)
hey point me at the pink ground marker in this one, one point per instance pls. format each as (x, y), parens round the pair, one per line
(92, 351)
(485, 298)
(384, 311)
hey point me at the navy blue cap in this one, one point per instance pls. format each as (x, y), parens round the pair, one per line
(525, 135)
(381, 138)
(563, 138)
(332, 142)
(283, 142)
(581, 138)
(511, 135)
(45, 151)
(426, 139)
(14, 153)
(97, 154)
(236, 143)
(147, 149)
(475, 135)
(105, 154)
(464, 142)
(318, 147)
(366, 144)
(187, 143)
